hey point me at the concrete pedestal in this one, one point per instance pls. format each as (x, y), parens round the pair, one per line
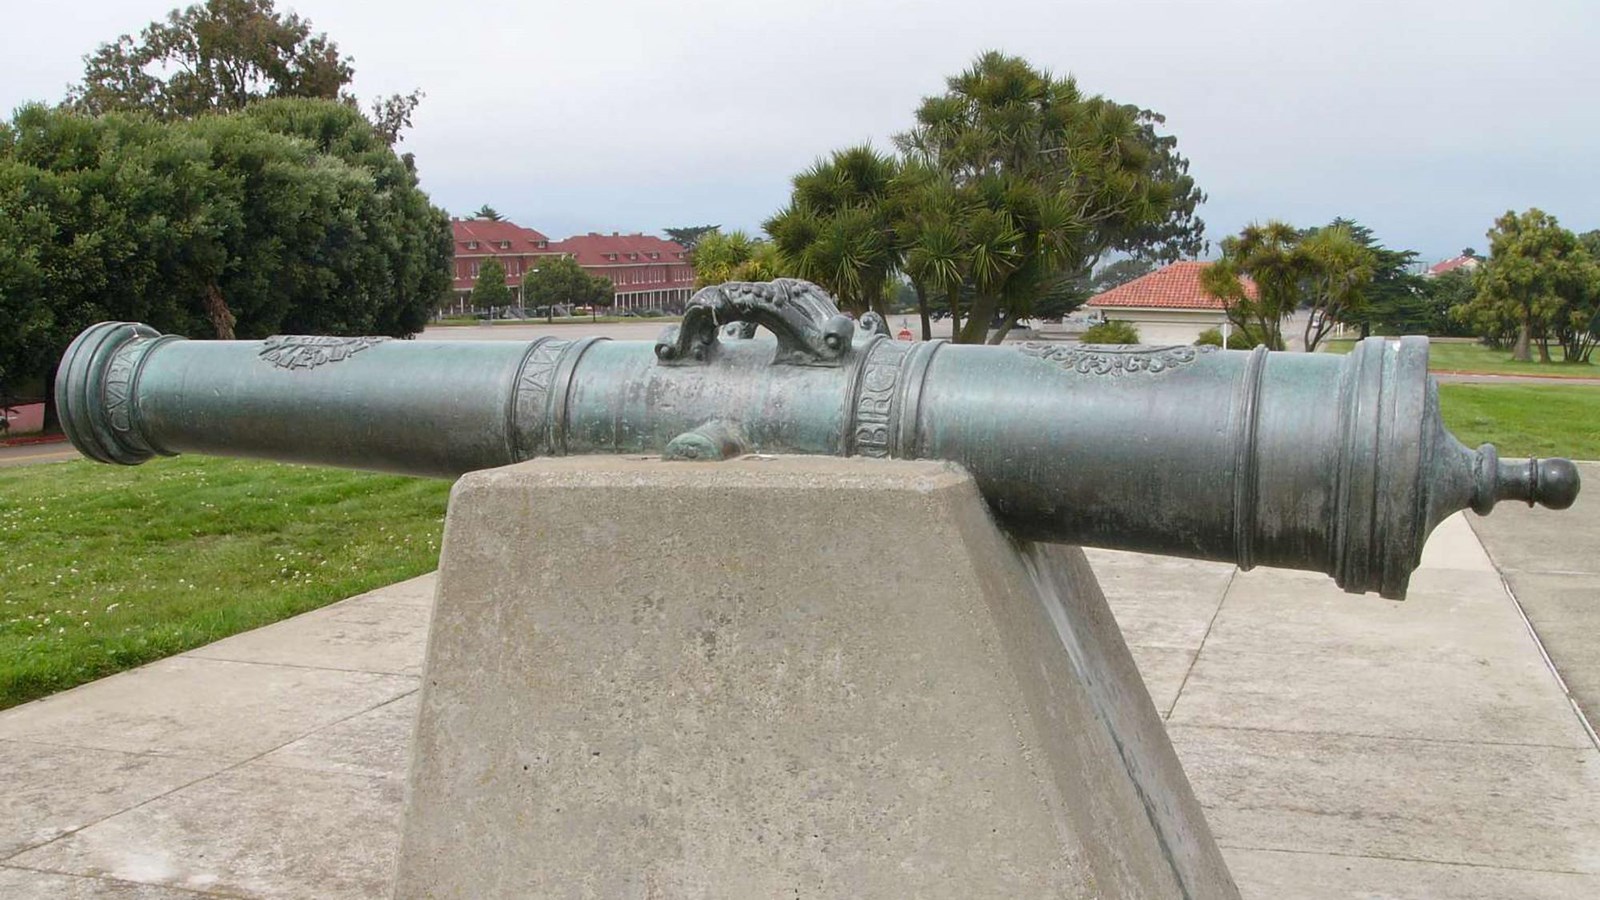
(780, 678)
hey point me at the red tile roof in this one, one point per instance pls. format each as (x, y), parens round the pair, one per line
(490, 235)
(590, 250)
(1450, 265)
(1176, 286)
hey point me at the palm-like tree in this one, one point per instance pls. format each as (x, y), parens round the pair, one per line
(929, 226)
(1006, 192)
(838, 229)
(1339, 271)
(735, 256)
(1268, 254)
(1049, 178)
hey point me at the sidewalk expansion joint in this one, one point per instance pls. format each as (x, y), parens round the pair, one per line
(194, 654)
(225, 769)
(1408, 859)
(1533, 633)
(198, 892)
(1194, 660)
(1369, 736)
(152, 754)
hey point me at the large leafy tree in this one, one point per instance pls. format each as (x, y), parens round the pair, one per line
(1069, 294)
(1120, 272)
(1397, 301)
(291, 216)
(490, 291)
(1580, 329)
(1447, 299)
(221, 56)
(390, 256)
(1043, 180)
(560, 281)
(1540, 284)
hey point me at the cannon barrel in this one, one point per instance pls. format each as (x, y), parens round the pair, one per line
(1337, 464)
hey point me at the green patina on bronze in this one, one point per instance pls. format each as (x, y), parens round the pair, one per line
(1337, 464)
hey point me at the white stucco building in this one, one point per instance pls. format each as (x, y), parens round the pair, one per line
(1168, 306)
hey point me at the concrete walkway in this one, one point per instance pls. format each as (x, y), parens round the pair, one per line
(29, 454)
(1343, 746)
(1553, 570)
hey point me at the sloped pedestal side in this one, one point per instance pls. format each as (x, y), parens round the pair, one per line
(794, 677)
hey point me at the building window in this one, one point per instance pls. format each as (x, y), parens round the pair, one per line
(474, 270)
(472, 245)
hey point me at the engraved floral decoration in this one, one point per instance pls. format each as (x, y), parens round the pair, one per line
(118, 376)
(300, 351)
(1093, 359)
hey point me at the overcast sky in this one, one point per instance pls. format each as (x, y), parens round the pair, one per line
(1423, 120)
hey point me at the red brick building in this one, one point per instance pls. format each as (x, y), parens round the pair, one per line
(518, 249)
(647, 272)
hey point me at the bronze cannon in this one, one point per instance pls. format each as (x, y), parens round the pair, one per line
(1337, 464)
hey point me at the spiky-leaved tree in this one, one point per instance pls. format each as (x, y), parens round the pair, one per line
(1338, 280)
(1266, 255)
(930, 227)
(1327, 271)
(735, 256)
(1046, 180)
(1007, 192)
(838, 229)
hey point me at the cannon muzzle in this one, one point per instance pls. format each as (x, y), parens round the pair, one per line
(1337, 464)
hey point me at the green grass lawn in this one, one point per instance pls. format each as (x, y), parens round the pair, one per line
(1525, 419)
(103, 568)
(1478, 359)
